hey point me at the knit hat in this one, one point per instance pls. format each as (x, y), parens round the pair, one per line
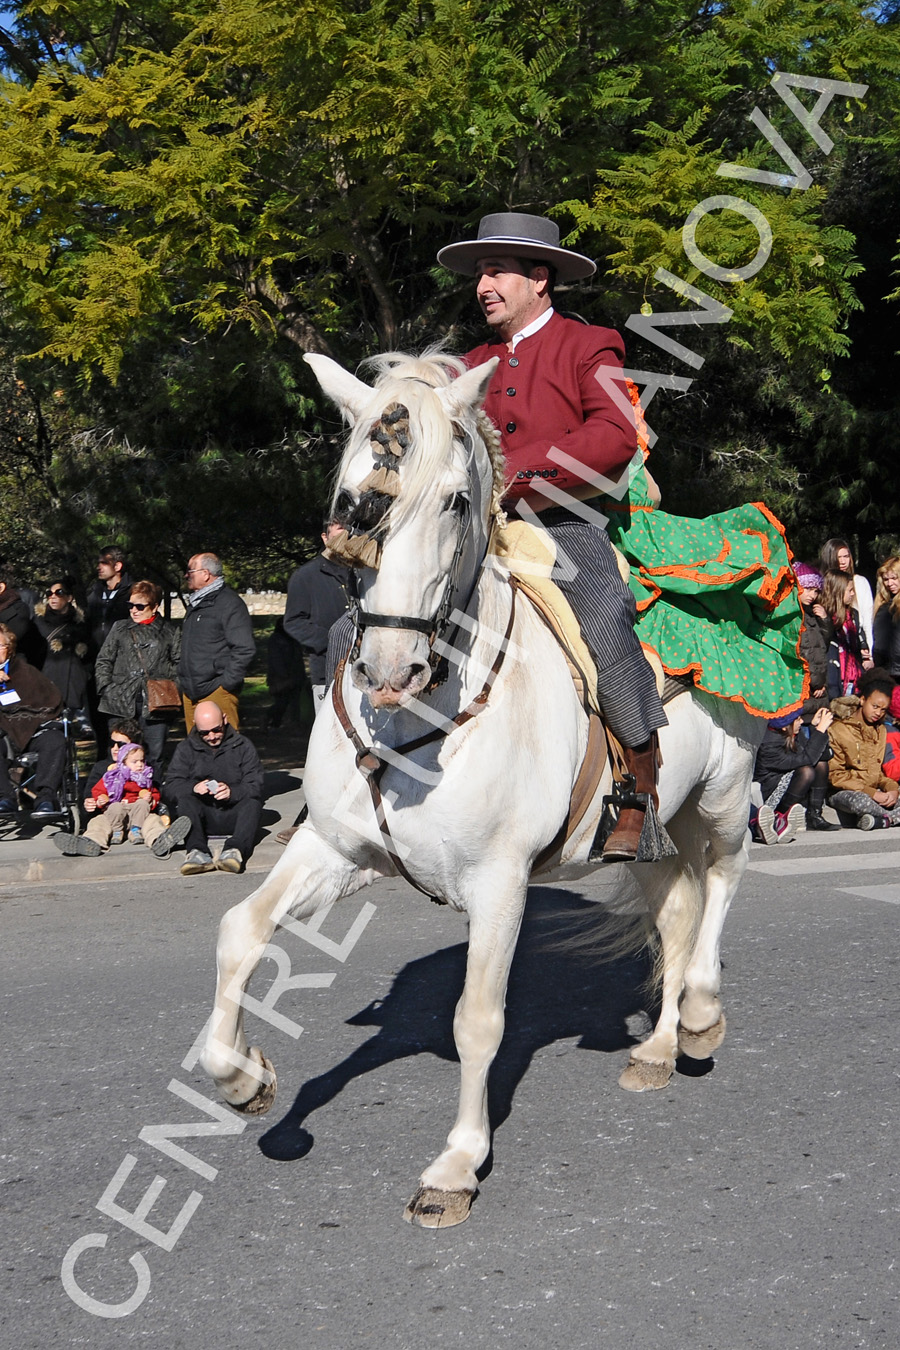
(785, 720)
(808, 577)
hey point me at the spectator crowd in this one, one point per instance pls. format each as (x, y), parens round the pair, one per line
(113, 669)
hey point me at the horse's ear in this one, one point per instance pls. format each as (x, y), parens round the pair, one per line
(468, 392)
(351, 395)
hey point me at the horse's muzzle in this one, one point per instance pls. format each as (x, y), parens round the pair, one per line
(388, 688)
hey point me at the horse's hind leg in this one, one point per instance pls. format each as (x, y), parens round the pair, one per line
(672, 889)
(702, 1027)
(447, 1187)
(309, 875)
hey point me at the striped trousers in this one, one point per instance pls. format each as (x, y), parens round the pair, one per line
(588, 576)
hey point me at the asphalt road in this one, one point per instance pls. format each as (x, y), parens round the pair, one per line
(751, 1204)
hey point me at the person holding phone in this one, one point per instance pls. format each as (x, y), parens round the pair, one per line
(215, 779)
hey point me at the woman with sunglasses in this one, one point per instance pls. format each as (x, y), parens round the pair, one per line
(143, 647)
(64, 630)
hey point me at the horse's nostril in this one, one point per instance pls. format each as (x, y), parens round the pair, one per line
(361, 672)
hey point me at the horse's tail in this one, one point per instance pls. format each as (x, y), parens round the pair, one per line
(659, 909)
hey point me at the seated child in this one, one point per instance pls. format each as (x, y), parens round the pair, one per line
(123, 799)
(861, 792)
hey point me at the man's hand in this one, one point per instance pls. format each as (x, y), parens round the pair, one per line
(90, 805)
(223, 793)
(201, 789)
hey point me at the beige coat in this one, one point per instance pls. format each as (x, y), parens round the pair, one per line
(858, 757)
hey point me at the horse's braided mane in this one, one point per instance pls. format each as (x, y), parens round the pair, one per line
(437, 369)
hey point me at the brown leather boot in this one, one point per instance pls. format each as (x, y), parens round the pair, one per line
(642, 764)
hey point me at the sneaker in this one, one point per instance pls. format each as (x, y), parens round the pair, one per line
(197, 861)
(171, 837)
(794, 824)
(117, 837)
(229, 860)
(134, 835)
(865, 822)
(765, 824)
(8, 807)
(77, 846)
(47, 807)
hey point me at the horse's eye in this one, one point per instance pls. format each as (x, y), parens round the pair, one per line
(344, 504)
(456, 503)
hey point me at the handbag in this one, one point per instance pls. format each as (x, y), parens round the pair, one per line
(163, 697)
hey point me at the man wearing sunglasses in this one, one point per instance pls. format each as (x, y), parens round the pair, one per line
(215, 779)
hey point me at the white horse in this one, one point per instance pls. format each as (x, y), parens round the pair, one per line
(462, 785)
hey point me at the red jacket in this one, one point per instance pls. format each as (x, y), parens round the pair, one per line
(130, 794)
(545, 394)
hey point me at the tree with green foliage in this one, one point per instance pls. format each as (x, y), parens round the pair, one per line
(191, 198)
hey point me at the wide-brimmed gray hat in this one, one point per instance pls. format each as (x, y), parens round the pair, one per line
(519, 236)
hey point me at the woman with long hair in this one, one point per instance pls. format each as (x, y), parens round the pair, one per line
(886, 647)
(792, 772)
(837, 556)
(847, 654)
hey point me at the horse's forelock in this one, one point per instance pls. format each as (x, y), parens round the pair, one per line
(410, 380)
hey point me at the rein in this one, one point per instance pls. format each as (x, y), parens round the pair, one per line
(372, 766)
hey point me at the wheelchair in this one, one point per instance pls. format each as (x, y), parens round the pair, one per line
(22, 770)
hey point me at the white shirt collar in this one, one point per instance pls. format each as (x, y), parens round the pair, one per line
(533, 327)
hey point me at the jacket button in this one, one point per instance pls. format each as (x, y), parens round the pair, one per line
(510, 426)
(510, 393)
(513, 360)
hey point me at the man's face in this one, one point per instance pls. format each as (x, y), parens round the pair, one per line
(210, 726)
(509, 299)
(197, 576)
(874, 706)
(108, 571)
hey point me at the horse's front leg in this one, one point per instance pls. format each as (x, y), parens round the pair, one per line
(308, 876)
(447, 1187)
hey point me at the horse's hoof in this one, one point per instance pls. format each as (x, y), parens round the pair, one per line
(641, 1076)
(264, 1096)
(701, 1044)
(431, 1208)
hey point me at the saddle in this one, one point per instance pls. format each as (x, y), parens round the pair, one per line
(529, 554)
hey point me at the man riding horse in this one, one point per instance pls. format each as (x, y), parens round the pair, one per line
(544, 394)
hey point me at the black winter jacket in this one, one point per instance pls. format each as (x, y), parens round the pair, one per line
(886, 647)
(234, 762)
(814, 641)
(65, 634)
(104, 608)
(316, 599)
(217, 645)
(121, 680)
(16, 615)
(773, 758)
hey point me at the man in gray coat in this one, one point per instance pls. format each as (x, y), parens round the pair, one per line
(217, 643)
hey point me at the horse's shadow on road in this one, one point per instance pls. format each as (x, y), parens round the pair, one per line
(554, 994)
